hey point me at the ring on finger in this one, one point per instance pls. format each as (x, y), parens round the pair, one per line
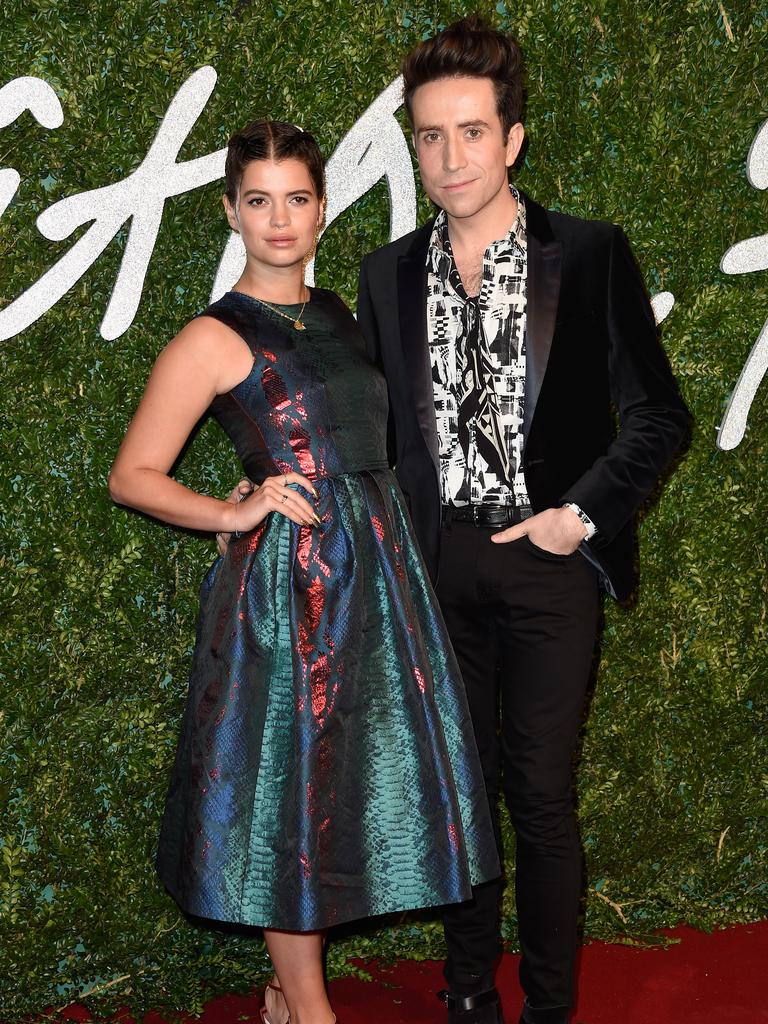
(284, 499)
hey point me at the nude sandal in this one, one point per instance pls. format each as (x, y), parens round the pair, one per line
(263, 1011)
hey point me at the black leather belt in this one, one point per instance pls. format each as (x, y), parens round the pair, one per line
(482, 515)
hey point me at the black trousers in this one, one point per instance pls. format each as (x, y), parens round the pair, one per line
(523, 624)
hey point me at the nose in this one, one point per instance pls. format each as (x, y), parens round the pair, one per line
(280, 217)
(454, 157)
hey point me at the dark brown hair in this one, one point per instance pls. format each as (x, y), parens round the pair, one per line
(473, 48)
(271, 140)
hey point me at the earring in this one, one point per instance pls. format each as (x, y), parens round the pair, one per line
(311, 254)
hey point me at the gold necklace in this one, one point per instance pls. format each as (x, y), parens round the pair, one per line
(297, 321)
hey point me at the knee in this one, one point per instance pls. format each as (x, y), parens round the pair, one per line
(541, 819)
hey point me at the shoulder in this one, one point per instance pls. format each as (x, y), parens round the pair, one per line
(569, 224)
(326, 296)
(233, 310)
(204, 339)
(332, 305)
(575, 232)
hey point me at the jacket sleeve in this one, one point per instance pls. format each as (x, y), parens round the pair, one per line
(366, 319)
(653, 419)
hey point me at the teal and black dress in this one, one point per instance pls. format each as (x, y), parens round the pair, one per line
(326, 769)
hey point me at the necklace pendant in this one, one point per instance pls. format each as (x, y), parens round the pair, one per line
(298, 325)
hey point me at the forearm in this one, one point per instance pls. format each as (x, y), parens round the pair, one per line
(156, 494)
(613, 488)
(653, 419)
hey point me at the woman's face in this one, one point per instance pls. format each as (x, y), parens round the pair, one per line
(277, 211)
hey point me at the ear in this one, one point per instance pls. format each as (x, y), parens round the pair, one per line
(321, 216)
(514, 143)
(231, 214)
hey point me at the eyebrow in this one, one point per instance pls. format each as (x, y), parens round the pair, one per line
(263, 192)
(477, 123)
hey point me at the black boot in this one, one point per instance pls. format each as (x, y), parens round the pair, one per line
(549, 1015)
(478, 1008)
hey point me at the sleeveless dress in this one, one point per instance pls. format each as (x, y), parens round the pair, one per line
(326, 769)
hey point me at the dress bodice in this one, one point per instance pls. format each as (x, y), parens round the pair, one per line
(314, 402)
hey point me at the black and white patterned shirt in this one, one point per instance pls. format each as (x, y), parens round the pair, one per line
(465, 475)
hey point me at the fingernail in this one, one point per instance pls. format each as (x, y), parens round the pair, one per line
(318, 520)
(315, 493)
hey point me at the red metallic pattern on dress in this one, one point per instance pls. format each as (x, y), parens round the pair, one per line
(304, 547)
(301, 444)
(419, 677)
(306, 647)
(315, 601)
(306, 865)
(319, 674)
(399, 568)
(275, 389)
(378, 526)
(453, 836)
(245, 553)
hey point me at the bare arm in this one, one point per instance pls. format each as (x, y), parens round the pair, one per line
(203, 360)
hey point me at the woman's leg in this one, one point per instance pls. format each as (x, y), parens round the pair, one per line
(298, 961)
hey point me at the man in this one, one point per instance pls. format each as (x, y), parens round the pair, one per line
(508, 334)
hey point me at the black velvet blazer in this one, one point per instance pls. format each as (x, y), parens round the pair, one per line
(592, 355)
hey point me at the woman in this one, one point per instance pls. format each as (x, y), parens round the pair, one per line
(326, 769)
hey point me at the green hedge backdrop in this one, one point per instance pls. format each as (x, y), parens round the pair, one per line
(642, 112)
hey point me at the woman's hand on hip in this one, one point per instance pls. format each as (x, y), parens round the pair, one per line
(275, 494)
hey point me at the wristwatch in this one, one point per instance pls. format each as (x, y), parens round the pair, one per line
(589, 525)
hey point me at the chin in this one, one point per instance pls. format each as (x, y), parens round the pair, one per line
(281, 258)
(462, 206)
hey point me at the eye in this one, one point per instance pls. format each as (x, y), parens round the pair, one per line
(300, 200)
(474, 133)
(430, 136)
(257, 201)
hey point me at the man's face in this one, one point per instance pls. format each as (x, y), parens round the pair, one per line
(463, 155)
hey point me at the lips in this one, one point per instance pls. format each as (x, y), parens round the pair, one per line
(282, 240)
(455, 186)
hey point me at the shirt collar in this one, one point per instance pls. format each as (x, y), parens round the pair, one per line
(515, 241)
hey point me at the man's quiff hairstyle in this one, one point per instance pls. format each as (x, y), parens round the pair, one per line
(470, 47)
(271, 140)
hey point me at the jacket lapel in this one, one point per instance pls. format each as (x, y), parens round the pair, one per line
(412, 303)
(545, 256)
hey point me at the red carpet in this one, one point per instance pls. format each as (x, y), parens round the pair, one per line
(703, 979)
